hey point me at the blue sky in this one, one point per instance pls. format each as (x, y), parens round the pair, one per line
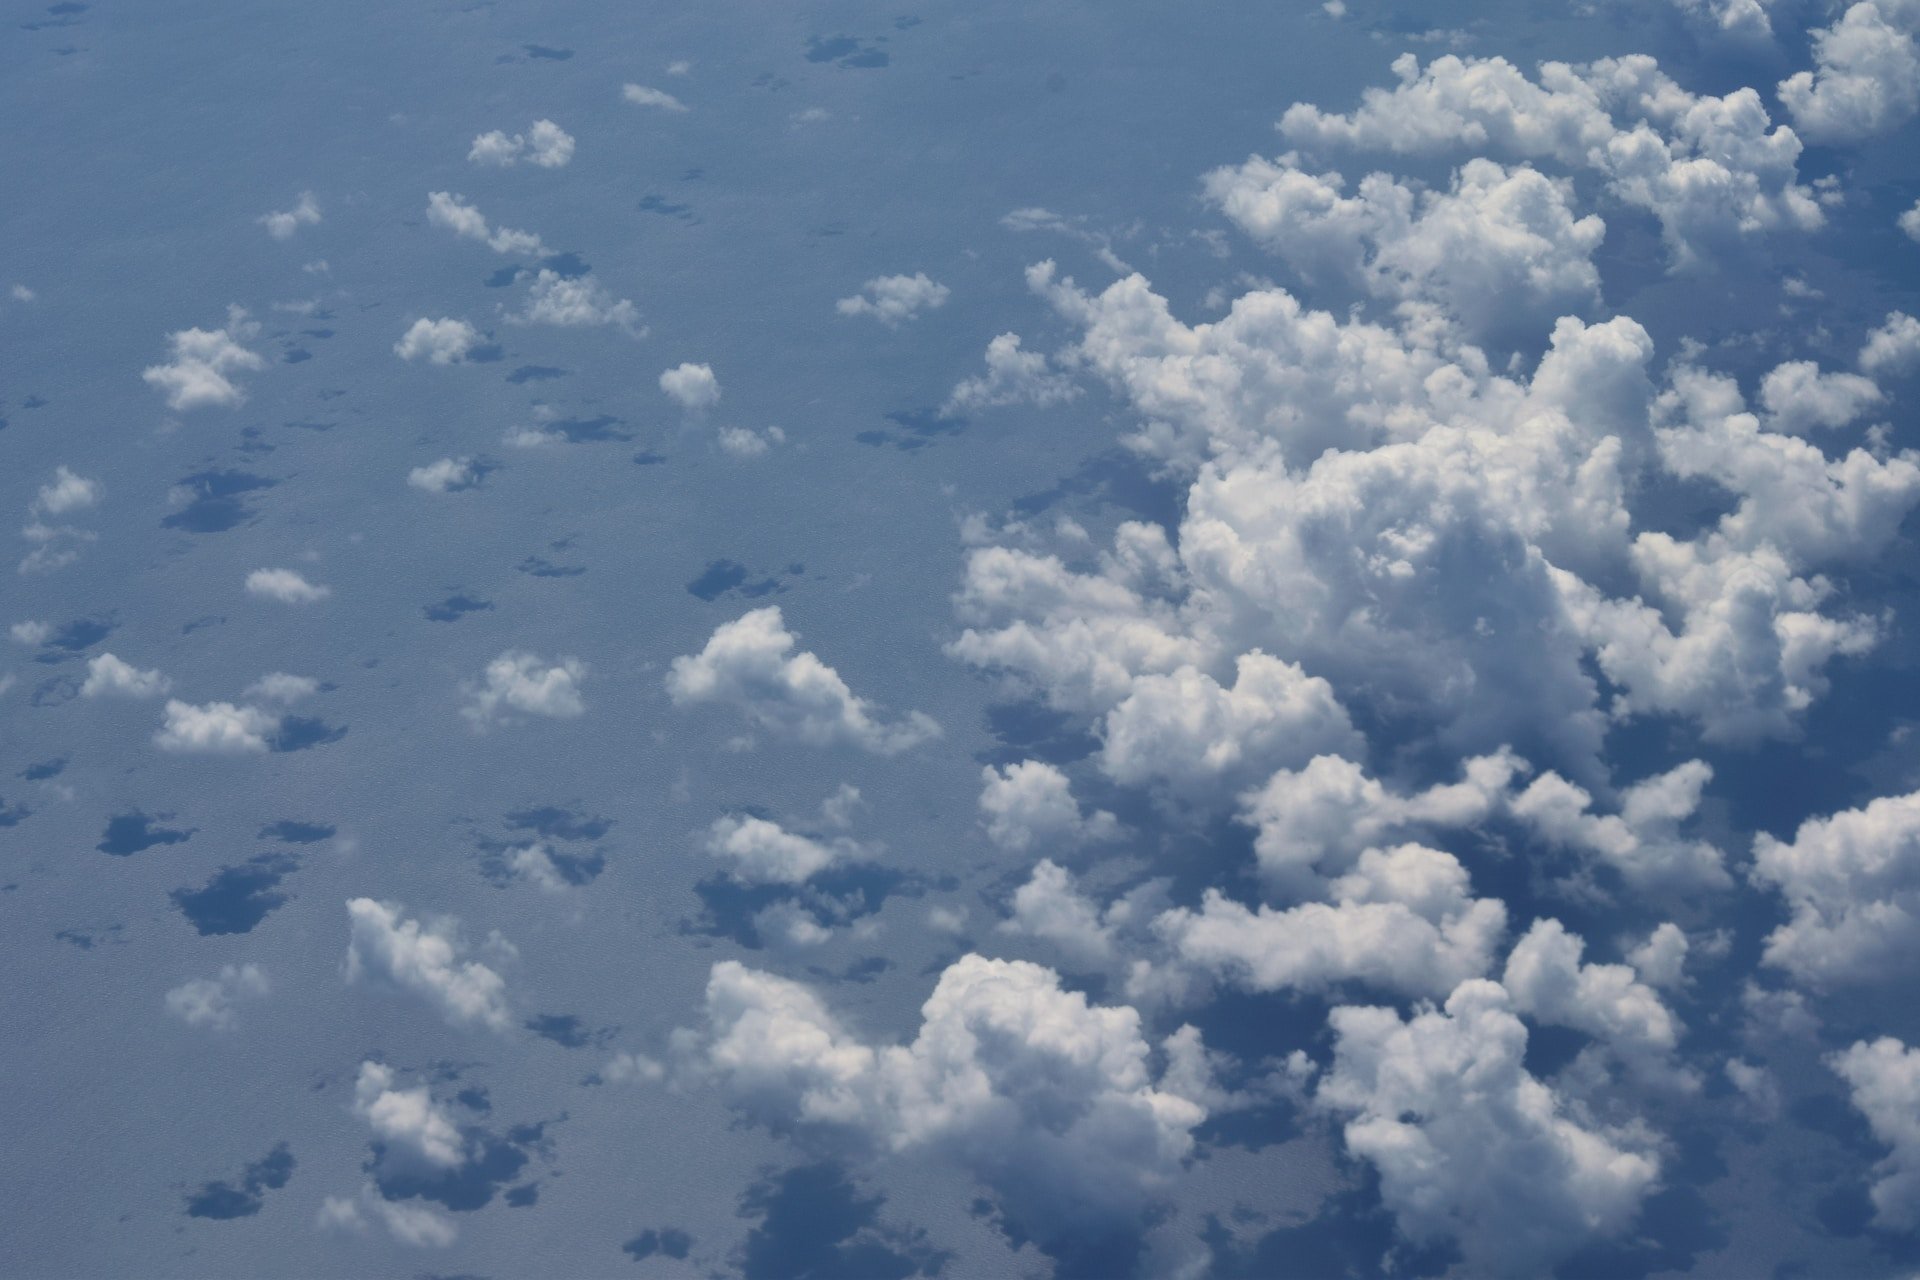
(1025, 640)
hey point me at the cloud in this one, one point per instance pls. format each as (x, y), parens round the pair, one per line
(283, 225)
(742, 442)
(894, 300)
(1866, 76)
(517, 681)
(285, 586)
(108, 676)
(1642, 841)
(546, 145)
(278, 686)
(757, 851)
(442, 341)
(410, 1224)
(198, 375)
(211, 1002)
(749, 664)
(577, 302)
(1050, 907)
(218, 728)
(1852, 886)
(1909, 222)
(407, 1118)
(426, 960)
(1549, 983)
(448, 475)
(1501, 248)
(1049, 1100)
(1498, 1165)
(456, 215)
(692, 386)
(1013, 376)
(1884, 1078)
(641, 96)
(1798, 397)
(1893, 348)
(68, 491)
(1030, 805)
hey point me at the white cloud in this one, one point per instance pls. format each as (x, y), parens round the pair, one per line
(546, 144)
(743, 442)
(1047, 1099)
(198, 375)
(749, 664)
(410, 1224)
(456, 215)
(1866, 76)
(20, 293)
(641, 96)
(30, 633)
(110, 677)
(1852, 885)
(1884, 1076)
(1661, 960)
(1894, 347)
(1499, 1165)
(1798, 397)
(68, 491)
(442, 341)
(448, 475)
(1746, 20)
(1549, 983)
(1051, 908)
(211, 1002)
(426, 960)
(218, 728)
(1030, 805)
(285, 586)
(894, 300)
(278, 686)
(1642, 842)
(1500, 248)
(407, 1118)
(757, 851)
(282, 225)
(692, 386)
(1013, 376)
(519, 681)
(1910, 221)
(577, 302)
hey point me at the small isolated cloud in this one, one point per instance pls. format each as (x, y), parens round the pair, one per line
(282, 224)
(757, 851)
(202, 360)
(57, 545)
(1030, 805)
(218, 728)
(211, 1002)
(744, 442)
(410, 1224)
(641, 96)
(425, 959)
(448, 475)
(546, 145)
(454, 214)
(285, 586)
(520, 681)
(692, 386)
(1013, 376)
(575, 302)
(68, 491)
(894, 300)
(31, 633)
(749, 664)
(108, 676)
(407, 1117)
(21, 293)
(278, 686)
(442, 341)
(1910, 221)
(1894, 348)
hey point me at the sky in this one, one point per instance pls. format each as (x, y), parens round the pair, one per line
(1062, 639)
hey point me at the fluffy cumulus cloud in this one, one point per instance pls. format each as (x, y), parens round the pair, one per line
(1013, 376)
(1713, 170)
(750, 664)
(282, 224)
(216, 728)
(545, 145)
(691, 386)
(442, 341)
(1030, 805)
(641, 96)
(109, 676)
(1866, 74)
(407, 1118)
(1550, 983)
(454, 214)
(1469, 1145)
(1893, 348)
(414, 1225)
(1851, 883)
(214, 1002)
(425, 959)
(894, 300)
(285, 586)
(1884, 1078)
(1909, 222)
(55, 543)
(577, 302)
(522, 682)
(757, 851)
(1049, 1100)
(448, 475)
(199, 372)
(1503, 247)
